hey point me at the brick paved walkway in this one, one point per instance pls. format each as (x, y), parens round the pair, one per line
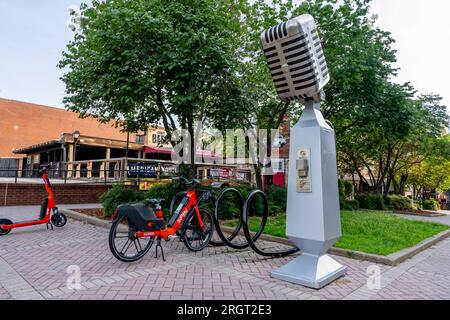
(34, 262)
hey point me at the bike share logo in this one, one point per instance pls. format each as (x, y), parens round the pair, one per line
(182, 215)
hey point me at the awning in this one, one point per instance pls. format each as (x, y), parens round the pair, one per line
(148, 149)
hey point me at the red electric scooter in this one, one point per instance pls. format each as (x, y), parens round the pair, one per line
(49, 214)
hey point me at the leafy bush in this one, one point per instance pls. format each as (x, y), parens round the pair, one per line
(398, 202)
(370, 201)
(341, 188)
(349, 189)
(346, 189)
(277, 198)
(164, 191)
(417, 205)
(117, 195)
(349, 205)
(229, 207)
(431, 204)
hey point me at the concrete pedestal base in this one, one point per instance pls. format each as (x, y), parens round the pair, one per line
(311, 271)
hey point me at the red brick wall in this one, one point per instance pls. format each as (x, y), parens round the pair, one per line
(24, 124)
(33, 194)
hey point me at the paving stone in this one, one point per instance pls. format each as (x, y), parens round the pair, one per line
(34, 264)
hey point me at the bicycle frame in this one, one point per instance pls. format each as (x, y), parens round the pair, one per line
(183, 213)
(46, 220)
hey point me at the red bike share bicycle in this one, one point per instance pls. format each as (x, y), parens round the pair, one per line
(136, 226)
(49, 214)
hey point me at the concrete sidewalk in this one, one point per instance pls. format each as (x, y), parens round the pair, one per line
(34, 264)
(442, 219)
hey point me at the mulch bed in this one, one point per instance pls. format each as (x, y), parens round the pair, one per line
(420, 213)
(97, 212)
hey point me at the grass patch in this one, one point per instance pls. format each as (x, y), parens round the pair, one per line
(374, 232)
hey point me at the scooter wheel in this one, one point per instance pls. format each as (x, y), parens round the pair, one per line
(59, 220)
(2, 231)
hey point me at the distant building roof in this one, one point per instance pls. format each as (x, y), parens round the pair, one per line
(83, 140)
(38, 147)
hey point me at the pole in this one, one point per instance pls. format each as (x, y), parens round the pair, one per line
(128, 144)
(74, 174)
(74, 150)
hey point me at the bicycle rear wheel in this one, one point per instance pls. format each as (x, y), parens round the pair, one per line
(196, 238)
(123, 243)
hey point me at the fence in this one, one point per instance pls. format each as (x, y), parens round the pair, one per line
(105, 171)
(8, 166)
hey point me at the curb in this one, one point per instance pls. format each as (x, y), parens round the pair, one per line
(431, 214)
(393, 259)
(401, 256)
(86, 218)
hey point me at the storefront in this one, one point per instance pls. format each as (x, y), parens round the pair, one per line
(70, 149)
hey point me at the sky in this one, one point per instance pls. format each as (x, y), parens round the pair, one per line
(33, 35)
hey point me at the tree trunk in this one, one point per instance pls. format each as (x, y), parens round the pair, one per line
(258, 177)
(402, 185)
(192, 146)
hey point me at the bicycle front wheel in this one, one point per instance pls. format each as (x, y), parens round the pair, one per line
(196, 238)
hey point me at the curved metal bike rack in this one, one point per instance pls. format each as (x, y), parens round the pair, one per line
(245, 206)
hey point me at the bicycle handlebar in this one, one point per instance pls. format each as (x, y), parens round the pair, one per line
(186, 181)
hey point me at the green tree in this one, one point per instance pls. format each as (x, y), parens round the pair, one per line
(425, 141)
(430, 176)
(155, 61)
(392, 137)
(358, 54)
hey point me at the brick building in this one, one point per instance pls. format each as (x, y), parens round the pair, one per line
(31, 135)
(25, 124)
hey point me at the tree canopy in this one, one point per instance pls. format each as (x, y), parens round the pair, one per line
(150, 61)
(180, 62)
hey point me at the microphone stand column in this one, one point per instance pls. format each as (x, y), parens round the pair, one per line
(313, 214)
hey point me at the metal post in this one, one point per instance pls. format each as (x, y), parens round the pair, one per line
(128, 144)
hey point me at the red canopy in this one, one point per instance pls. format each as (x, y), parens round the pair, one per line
(204, 153)
(158, 150)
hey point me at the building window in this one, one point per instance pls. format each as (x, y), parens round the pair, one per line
(154, 137)
(281, 165)
(140, 139)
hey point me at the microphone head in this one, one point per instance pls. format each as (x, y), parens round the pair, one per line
(296, 60)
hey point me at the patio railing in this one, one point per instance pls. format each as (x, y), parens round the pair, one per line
(104, 171)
